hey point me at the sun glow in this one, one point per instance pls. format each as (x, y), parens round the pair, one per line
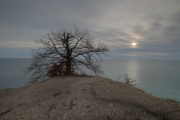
(133, 44)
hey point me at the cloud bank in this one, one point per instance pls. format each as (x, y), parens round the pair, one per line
(153, 25)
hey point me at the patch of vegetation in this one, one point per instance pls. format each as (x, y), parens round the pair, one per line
(127, 79)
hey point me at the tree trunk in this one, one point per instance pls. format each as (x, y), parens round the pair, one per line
(68, 67)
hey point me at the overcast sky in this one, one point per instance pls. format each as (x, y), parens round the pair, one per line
(153, 24)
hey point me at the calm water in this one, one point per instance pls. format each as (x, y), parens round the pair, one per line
(160, 78)
(12, 72)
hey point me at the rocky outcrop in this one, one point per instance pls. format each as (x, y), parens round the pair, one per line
(83, 98)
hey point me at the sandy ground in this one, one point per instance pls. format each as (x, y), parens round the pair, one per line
(84, 98)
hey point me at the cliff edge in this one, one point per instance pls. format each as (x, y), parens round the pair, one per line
(83, 98)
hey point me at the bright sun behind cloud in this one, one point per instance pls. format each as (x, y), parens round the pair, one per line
(133, 44)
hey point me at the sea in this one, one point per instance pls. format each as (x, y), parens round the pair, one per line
(160, 78)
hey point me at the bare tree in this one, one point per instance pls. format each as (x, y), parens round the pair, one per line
(64, 52)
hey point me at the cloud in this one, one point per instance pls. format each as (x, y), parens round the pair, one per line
(154, 25)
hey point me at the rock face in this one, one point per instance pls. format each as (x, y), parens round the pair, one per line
(83, 98)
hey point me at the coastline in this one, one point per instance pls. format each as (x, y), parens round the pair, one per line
(82, 97)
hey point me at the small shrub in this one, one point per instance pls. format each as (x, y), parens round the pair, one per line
(127, 79)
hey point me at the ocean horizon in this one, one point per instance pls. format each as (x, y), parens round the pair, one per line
(160, 78)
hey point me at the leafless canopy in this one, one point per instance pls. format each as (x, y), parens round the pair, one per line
(64, 52)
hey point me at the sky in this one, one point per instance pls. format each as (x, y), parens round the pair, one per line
(154, 25)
